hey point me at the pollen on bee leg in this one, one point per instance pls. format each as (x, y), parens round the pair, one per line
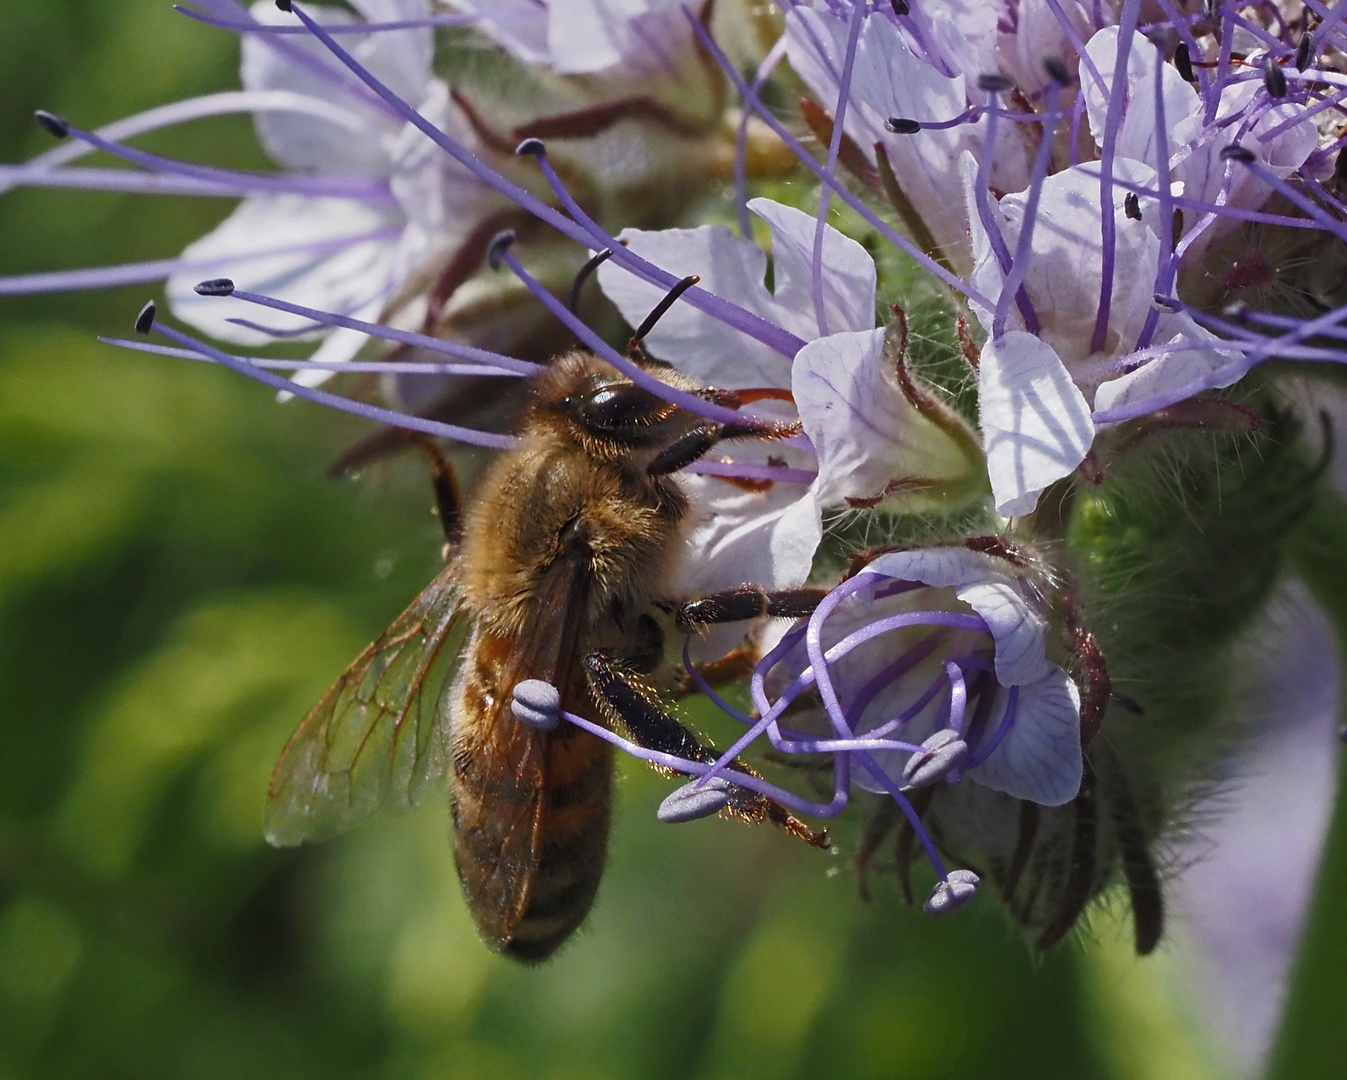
(951, 894)
(695, 800)
(537, 704)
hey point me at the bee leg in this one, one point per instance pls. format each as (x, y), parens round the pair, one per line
(448, 503)
(1080, 874)
(735, 666)
(637, 710)
(749, 602)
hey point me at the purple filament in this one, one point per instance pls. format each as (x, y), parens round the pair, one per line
(739, 318)
(838, 188)
(373, 192)
(830, 167)
(1024, 245)
(240, 27)
(1107, 221)
(322, 397)
(373, 367)
(731, 314)
(404, 337)
(1002, 729)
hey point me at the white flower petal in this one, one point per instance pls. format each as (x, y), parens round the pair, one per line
(848, 273)
(867, 436)
(288, 246)
(985, 584)
(1040, 757)
(1196, 369)
(309, 144)
(702, 347)
(1136, 134)
(1036, 424)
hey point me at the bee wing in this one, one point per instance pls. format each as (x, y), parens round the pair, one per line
(378, 738)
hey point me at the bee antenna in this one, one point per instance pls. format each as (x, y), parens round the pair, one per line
(664, 305)
(583, 275)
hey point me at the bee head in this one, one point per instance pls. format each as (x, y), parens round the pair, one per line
(605, 413)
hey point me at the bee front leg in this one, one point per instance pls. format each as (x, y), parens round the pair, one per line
(637, 709)
(750, 602)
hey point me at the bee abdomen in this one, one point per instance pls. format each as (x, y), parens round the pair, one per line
(572, 848)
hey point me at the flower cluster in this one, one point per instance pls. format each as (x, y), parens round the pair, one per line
(1109, 190)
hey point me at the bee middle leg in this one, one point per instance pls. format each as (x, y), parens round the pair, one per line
(750, 602)
(637, 709)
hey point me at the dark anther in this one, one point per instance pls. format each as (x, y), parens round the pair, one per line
(1055, 66)
(1305, 51)
(1170, 304)
(284, 5)
(220, 286)
(1184, 63)
(52, 124)
(145, 320)
(499, 243)
(1132, 206)
(1235, 152)
(1274, 79)
(995, 83)
(899, 6)
(901, 125)
(531, 148)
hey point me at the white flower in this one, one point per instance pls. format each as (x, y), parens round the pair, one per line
(867, 438)
(334, 254)
(1018, 713)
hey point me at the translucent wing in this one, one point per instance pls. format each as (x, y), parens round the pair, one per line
(378, 738)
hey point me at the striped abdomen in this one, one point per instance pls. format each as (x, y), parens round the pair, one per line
(531, 813)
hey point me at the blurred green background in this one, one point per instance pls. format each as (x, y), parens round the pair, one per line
(179, 581)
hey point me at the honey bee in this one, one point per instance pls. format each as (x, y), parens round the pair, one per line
(557, 573)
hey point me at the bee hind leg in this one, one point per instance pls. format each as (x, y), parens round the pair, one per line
(636, 708)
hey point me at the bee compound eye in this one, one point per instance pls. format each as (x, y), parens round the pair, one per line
(695, 800)
(537, 704)
(620, 407)
(951, 894)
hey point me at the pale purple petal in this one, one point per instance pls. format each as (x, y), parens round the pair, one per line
(1040, 757)
(1241, 898)
(318, 272)
(848, 273)
(985, 584)
(1172, 370)
(867, 436)
(701, 346)
(1036, 424)
(306, 144)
